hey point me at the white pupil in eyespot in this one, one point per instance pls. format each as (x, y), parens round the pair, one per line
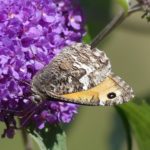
(111, 95)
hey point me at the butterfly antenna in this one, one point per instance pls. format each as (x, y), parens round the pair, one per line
(10, 110)
(25, 82)
(36, 57)
(22, 81)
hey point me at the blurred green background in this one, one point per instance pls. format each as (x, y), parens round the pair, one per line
(100, 128)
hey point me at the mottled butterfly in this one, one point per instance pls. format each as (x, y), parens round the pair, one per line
(79, 74)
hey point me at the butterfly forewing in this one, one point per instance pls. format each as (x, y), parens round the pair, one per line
(75, 69)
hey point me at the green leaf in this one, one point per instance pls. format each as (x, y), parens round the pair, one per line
(87, 37)
(138, 116)
(52, 137)
(97, 14)
(124, 4)
(126, 125)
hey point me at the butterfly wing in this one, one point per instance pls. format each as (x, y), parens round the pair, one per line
(111, 91)
(81, 75)
(75, 69)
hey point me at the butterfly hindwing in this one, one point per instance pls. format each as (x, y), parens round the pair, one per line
(112, 91)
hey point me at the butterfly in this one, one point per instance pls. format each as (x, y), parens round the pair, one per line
(81, 75)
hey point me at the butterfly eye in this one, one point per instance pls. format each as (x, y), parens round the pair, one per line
(111, 95)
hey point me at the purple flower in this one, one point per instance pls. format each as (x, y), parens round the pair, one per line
(146, 7)
(54, 113)
(144, 2)
(31, 34)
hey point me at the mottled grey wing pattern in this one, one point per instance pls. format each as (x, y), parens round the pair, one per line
(112, 85)
(76, 68)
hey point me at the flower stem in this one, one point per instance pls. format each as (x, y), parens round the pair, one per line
(114, 23)
(26, 139)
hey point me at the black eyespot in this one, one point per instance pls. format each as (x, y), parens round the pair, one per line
(111, 95)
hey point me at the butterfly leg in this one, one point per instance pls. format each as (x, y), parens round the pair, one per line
(36, 108)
